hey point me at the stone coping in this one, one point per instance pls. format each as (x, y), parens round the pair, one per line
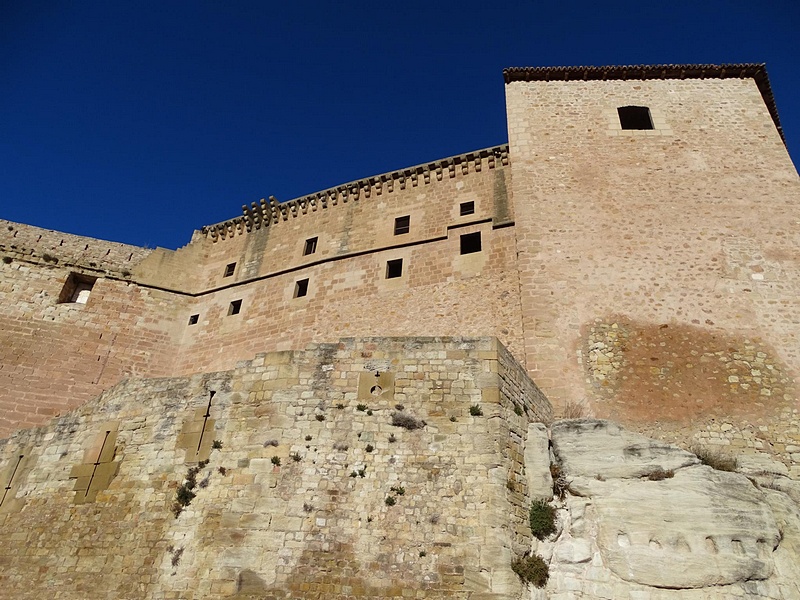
(757, 71)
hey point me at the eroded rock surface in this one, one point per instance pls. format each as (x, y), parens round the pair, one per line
(646, 520)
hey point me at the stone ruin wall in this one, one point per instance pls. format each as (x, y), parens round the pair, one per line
(90, 508)
(659, 270)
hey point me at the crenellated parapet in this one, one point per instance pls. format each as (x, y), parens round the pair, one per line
(270, 212)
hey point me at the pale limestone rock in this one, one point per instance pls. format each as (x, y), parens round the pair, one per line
(595, 448)
(537, 462)
(701, 534)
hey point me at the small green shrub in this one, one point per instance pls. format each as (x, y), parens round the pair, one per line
(422, 554)
(517, 410)
(543, 519)
(7, 260)
(353, 474)
(308, 438)
(715, 460)
(369, 448)
(276, 461)
(340, 406)
(369, 413)
(399, 407)
(390, 501)
(531, 569)
(392, 439)
(475, 410)
(222, 471)
(295, 456)
(216, 445)
(398, 489)
(362, 472)
(452, 419)
(361, 407)
(320, 417)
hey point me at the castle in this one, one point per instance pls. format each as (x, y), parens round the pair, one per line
(631, 252)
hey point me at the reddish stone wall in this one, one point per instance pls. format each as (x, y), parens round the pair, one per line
(682, 236)
(57, 356)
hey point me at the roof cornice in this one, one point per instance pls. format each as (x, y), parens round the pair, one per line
(756, 71)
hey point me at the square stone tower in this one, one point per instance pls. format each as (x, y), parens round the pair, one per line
(656, 215)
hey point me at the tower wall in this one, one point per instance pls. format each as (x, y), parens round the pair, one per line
(659, 269)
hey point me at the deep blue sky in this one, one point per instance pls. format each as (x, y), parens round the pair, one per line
(141, 121)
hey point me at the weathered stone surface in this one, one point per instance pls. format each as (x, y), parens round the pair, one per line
(537, 462)
(696, 533)
(602, 449)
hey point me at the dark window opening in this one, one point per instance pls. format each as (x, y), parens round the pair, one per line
(194, 319)
(76, 289)
(402, 225)
(394, 268)
(635, 117)
(229, 269)
(301, 288)
(467, 208)
(471, 243)
(310, 247)
(235, 308)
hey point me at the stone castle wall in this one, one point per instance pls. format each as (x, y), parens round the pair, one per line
(647, 276)
(302, 456)
(659, 268)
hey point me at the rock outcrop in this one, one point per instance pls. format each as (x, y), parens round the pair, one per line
(642, 519)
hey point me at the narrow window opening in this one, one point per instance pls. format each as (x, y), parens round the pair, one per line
(76, 289)
(467, 208)
(310, 247)
(394, 268)
(471, 243)
(635, 117)
(402, 225)
(301, 288)
(229, 269)
(235, 308)
(194, 319)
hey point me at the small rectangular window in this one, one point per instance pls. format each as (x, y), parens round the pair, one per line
(402, 225)
(76, 289)
(235, 308)
(467, 208)
(229, 269)
(471, 243)
(301, 288)
(194, 319)
(394, 268)
(635, 117)
(310, 247)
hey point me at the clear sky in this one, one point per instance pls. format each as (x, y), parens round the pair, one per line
(142, 121)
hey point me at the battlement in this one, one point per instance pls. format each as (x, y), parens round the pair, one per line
(266, 213)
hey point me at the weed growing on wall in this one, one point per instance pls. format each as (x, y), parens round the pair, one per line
(715, 460)
(406, 421)
(531, 569)
(542, 519)
(475, 410)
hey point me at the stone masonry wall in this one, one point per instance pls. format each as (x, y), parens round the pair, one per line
(679, 236)
(137, 321)
(55, 356)
(294, 497)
